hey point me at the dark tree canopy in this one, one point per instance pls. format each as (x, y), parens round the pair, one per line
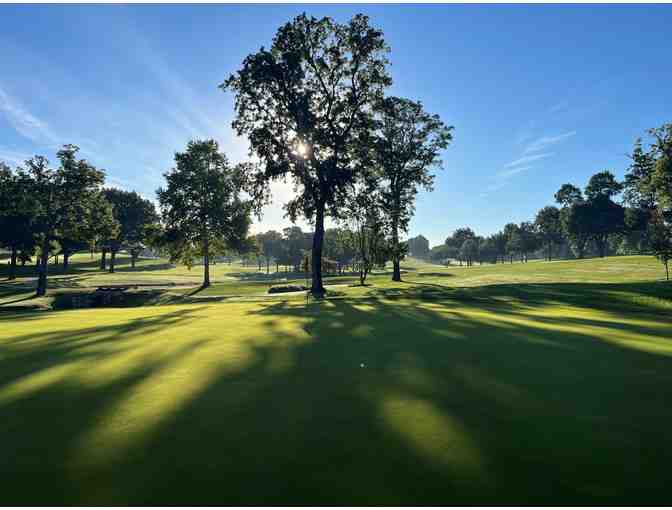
(135, 216)
(568, 194)
(661, 150)
(639, 188)
(549, 227)
(304, 104)
(16, 216)
(459, 236)
(602, 185)
(61, 197)
(660, 233)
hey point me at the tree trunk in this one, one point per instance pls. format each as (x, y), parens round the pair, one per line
(113, 256)
(268, 267)
(43, 269)
(103, 260)
(66, 260)
(317, 288)
(667, 272)
(206, 262)
(396, 262)
(12, 265)
(134, 257)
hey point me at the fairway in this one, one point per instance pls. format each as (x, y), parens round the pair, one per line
(445, 389)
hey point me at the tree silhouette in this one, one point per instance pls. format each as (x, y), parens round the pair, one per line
(304, 104)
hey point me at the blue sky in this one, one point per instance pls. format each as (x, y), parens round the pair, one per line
(539, 94)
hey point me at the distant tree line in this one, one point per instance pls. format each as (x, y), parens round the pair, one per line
(354, 249)
(606, 217)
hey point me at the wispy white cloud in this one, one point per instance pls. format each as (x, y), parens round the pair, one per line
(24, 122)
(513, 171)
(526, 160)
(546, 141)
(559, 106)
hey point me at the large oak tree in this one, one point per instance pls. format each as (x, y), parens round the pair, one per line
(304, 104)
(62, 196)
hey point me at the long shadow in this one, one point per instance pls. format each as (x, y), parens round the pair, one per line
(25, 298)
(358, 402)
(651, 297)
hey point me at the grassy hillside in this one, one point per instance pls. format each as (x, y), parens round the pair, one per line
(545, 383)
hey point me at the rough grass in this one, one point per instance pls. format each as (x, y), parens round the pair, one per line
(545, 383)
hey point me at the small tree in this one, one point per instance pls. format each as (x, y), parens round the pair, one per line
(418, 247)
(605, 217)
(499, 241)
(135, 216)
(406, 145)
(661, 151)
(549, 226)
(513, 240)
(366, 225)
(487, 250)
(269, 246)
(660, 234)
(514, 244)
(573, 216)
(639, 185)
(529, 241)
(469, 251)
(201, 203)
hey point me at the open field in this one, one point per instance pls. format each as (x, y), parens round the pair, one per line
(539, 383)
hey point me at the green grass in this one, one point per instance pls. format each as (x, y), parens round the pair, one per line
(539, 383)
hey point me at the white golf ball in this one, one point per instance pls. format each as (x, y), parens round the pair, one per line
(361, 365)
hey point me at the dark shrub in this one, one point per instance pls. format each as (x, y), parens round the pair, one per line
(286, 288)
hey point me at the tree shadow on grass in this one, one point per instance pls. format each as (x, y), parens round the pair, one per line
(647, 297)
(357, 402)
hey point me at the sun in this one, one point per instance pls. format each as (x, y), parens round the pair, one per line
(302, 149)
